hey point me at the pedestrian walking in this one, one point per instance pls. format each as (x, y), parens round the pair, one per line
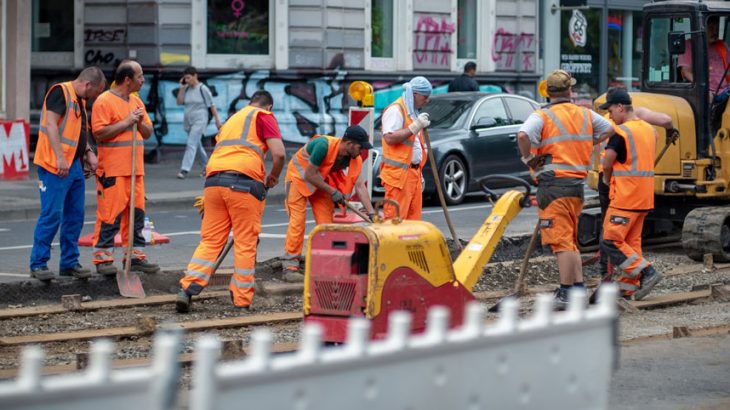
(317, 174)
(234, 198)
(628, 169)
(466, 81)
(404, 152)
(63, 144)
(115, 113)
(556, 143)
(198, 102)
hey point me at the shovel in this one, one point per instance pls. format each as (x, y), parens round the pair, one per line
(358, 212)
(130, 286)
(519, 288)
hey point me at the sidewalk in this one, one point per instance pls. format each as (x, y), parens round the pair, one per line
(20, 199)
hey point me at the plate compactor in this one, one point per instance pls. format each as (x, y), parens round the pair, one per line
(370, 270)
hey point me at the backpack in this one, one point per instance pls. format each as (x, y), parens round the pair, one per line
(210, 110)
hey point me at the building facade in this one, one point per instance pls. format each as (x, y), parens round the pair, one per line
(306, 52)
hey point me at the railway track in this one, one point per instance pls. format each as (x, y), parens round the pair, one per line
(68, 350)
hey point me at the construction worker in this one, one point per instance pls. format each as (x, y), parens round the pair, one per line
(62, 146)
(404, 153)
(234, 198)
(556, 142)
(628, 169)
(115, 112)
(316, 173)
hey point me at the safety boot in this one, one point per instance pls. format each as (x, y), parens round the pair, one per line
(236, 307)
(293, 275)
(143, 265)
(183, 302)
(561, 299)
(78, 272)
(43, 274)
(649, 278)
(106, 269)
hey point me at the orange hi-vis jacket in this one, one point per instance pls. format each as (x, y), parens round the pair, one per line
(115, 154)
(298, 164)
(566, 140)
(240, 148)
(69, 130)
(632, 184)
(397, 157)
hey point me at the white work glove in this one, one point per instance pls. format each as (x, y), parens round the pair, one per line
(420, 123)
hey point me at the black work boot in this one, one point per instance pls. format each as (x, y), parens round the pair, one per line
(143, 265)
(649, 278)
(239, 308)
(78, 272)
(106, 269)
(183, 302)
(43, 274)
(292, 274)
(561, 299)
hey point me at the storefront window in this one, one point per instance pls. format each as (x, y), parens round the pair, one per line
(53, 25)
(238, 27)
(381, 21)
(467, 29)
(662, 65)
(580, 49)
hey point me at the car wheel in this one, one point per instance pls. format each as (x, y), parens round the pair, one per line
(454, 179)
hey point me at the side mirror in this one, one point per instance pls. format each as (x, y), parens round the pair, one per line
(484, 122)
(676, 42)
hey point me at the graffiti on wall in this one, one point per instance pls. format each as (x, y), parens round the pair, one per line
(432, 42)
(513, 51)
(104, 45)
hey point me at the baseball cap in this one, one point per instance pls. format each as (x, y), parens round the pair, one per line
(616, 96)
(358, 134)
(559, 80)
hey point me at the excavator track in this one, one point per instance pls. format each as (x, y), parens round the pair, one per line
(707, 230)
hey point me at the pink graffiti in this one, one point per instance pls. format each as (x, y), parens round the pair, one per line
(506, 46)
(433, 42)
(237, 6)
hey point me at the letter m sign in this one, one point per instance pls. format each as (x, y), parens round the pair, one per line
(14, 142)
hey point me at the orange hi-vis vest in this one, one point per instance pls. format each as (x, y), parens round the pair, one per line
(566, 141)
(632, 184)
(721, 49)
(298, 164)
(240, 148)
(69, 130)
(397, 157)
(115, 154)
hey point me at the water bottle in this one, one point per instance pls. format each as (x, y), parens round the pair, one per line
(152, 232)
(147, 230)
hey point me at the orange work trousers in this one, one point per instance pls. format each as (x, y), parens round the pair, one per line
(409, 198)
(622, 243)
(559, 223)
(224, 210)
(296, 207)
(112, 216)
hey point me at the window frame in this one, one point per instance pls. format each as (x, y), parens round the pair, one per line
(479, 105)
(507, 98)
(199, 41)
(63, 59)
(402, 39)
(486, 23)
(648, 61)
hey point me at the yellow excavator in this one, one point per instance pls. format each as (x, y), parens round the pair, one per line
(369, 270)
(692, 178)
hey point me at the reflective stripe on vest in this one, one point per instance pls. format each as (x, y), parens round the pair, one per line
(243, 141)
(564, 135)
(300, 170)
(70, 105)
(633, 172)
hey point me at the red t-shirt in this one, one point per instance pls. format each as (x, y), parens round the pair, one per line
(266, 126)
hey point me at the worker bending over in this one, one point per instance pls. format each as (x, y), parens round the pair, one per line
(317, 173)
(556, 142)
(628, 169)
(234, 198)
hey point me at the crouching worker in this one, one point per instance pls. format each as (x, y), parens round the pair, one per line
(628, 170)
(321, 160)
(235, 196)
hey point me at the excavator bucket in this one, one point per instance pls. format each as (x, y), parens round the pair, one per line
(130, 285)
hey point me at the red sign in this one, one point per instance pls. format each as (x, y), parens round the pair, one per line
(14, 143)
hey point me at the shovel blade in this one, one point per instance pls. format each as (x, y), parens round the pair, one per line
(130, 285)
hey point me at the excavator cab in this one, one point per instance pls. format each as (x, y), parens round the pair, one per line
(685, 69)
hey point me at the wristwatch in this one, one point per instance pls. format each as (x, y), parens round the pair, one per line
(528, 158)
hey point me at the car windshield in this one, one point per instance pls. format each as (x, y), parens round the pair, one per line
(447, 112)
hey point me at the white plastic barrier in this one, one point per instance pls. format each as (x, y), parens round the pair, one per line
(549, 360)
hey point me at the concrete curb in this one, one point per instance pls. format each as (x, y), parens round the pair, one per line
(152, 204)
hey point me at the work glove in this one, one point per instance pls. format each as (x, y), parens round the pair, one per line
(371, 216)
(337, 197)
(672, 135)
(420, 123)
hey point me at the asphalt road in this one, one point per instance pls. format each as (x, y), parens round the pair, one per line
(183, 229)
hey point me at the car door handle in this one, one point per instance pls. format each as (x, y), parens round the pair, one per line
(512, 137)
